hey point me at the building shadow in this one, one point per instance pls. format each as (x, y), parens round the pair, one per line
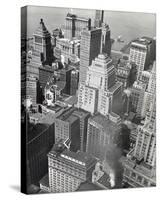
(15, 187)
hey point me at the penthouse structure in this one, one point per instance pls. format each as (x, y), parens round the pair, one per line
(67, 170)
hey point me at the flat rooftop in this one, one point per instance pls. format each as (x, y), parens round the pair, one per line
(80, 156)
(142, 41)
(142, 168)
(108, 126)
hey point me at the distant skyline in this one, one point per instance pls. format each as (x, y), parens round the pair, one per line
(129, 25)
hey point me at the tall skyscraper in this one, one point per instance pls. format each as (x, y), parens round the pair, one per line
(100, 82)
(106, 40)
(74, 25)
(99, 15)
(42, 43)
(89, 49)
(83, 118)
(141, 52)
(67, 170)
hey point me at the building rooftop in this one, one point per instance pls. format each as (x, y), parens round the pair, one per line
(115, 86)
(48, 118)
(141, 168)
(79, 158)
(35, 131)
(65, 116)
(104, 181)
(107, 125)
(80, 113)
(142, 41)
(71, 100)
(83, 158)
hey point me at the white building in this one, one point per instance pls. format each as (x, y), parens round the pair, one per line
(100, 87)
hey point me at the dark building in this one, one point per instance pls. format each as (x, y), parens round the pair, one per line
(83, 118)
(90, 48)
(40, 139)
(64, 75)
(99, 15)
(67, 126)
(45, 72)
(106, 40)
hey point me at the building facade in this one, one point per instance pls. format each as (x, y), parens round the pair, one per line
(67, 170)
(101, 132)
(42, 44)
(67, 126)
(100, 82)
(83, 118)
(90, 48)
(29, 89)
(141, 52)
(74, 25)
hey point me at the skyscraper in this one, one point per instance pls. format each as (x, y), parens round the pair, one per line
(106, 40)
(100, 133)
(83, 118)
(67, 126)
(74, 25)
(99, 15)
(100, 82)
(141, 52)
(89, 49)
(42, 43)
